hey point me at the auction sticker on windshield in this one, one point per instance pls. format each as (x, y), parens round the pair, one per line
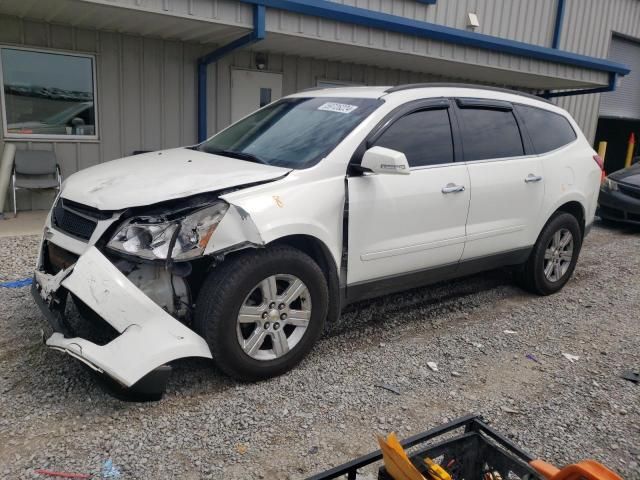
(337, 107)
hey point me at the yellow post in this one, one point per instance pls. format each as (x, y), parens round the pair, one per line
(630, 148)
(602, 151)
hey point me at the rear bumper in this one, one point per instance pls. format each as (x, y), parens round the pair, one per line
(619, 207)
(147, 337)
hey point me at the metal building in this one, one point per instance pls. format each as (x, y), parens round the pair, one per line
(95, 80)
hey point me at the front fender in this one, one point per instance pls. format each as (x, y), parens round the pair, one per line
(285, 208)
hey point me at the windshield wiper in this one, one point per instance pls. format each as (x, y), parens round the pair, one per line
(240, 155)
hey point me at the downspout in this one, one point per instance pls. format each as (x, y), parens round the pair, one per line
(613, 77)
(258, 33)
(555, 43)
(557, 29)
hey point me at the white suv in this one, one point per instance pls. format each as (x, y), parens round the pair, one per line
(242, 248)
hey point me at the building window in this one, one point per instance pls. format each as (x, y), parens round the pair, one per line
(47, 94)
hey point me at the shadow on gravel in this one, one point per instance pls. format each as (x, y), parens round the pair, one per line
(422, 304)
(193, 377)
(619, 227)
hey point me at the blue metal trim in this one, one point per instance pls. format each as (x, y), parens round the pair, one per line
(258, 33)
(613, 78)
(427, 2)
(557, 29)
(367, 18)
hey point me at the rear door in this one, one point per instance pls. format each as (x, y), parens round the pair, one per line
(507, 184)
(407, 223)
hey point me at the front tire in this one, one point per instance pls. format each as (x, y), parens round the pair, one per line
(554, 256)
(262, 311)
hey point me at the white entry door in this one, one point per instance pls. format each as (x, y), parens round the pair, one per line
(251, 90)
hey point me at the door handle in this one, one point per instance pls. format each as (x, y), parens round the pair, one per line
(452, 188)
(531, 178)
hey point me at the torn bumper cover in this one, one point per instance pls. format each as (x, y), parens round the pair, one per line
(148, 336)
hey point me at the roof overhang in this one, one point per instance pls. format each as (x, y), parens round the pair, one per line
(130, 18)
(384, 21)
(435, 67)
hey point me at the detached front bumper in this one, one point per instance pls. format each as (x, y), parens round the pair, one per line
(148, 337)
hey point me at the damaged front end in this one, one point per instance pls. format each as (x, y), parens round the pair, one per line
(133, 275)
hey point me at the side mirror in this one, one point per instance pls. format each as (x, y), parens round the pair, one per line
(385, 161)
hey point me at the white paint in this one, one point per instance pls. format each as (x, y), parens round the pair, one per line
(385, 161)
(158, 176)
(503, 208)
(245, 90)
(399, 224)
(149, 338)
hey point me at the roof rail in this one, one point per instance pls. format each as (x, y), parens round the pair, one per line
(410, 86)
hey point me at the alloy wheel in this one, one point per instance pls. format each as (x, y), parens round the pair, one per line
(558, 255)
(274, 317)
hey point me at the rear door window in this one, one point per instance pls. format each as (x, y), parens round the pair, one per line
(547, 130)
(489, 133)
(423, 136)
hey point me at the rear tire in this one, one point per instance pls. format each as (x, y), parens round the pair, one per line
(554, 256)
(249, 282)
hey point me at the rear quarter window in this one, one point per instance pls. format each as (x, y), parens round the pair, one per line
(547, 130)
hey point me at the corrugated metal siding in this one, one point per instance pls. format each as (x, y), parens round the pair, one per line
(523, 20)
(291, 24)
(587, 29)
(145, 94)
(225, 11)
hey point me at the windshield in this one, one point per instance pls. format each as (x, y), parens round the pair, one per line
(293, 132)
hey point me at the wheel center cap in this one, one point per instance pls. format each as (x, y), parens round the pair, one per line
(274, 315)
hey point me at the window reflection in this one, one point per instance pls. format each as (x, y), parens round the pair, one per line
(47, 93)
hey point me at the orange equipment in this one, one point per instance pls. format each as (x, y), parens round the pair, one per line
(584, 470)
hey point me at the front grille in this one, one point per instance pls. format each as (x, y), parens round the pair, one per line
(631, 191)
(75, 219)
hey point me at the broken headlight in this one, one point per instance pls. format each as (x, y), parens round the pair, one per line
(153, 238)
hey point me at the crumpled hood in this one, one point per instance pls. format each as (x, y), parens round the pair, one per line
(158, 176)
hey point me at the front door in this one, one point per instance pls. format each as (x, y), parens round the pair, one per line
(251, 90)
(400, 224)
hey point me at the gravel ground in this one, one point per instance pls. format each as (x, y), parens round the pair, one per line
(328, 410)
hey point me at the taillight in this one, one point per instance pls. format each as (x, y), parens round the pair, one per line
(598, 159)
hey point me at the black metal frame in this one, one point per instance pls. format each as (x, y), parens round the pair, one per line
(470, 423)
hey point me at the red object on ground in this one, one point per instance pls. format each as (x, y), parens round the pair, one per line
(51, 473)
